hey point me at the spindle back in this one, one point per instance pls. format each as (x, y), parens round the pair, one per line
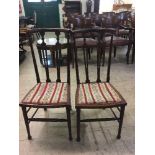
(91, 38)
(43, 47)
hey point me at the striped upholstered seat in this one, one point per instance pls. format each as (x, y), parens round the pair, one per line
(93, 94)
(47, 94)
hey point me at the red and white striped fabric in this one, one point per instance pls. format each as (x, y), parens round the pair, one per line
(97, 93)
(47, 93)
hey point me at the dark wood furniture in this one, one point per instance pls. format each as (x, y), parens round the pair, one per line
(79, 22)
(25, 24)
(131, 41)
(97, 94)
(48, 94)
(72, 7)
(23, 39)
(122, 36)
(51, 43)
(121, 41)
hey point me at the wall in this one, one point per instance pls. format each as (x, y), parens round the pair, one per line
(61, 12)
(106, 5)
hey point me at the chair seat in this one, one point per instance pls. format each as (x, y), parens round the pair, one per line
(123, 32)
(47, 94)
(88, 42)
(117, 41)
(98, 95)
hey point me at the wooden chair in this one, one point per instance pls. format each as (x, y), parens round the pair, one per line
(95, 94)
(122, 19)
(108, 19)
(121, 41)
(48, 94)
(82, 23)
(118, 39)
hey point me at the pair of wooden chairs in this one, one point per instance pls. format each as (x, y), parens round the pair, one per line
(89, 94)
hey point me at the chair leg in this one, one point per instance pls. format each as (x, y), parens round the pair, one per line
(78, 124)
(45, 109)
(115, 51)
(133, 53)
(103, 59)
(89, 53)
(40, 57)
(53, 58)
(128, 53)
(26, 122)
(121, 122)
(69, 122)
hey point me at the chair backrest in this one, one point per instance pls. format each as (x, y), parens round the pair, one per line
(108, 19)
(108, 14)
(91, 38)
(82, 22)
(122, 17)
(97, 19)
(43, 47)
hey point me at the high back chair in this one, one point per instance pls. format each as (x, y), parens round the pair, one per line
(50, 93)
(95, 94)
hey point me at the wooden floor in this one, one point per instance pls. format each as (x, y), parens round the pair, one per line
(97, 138)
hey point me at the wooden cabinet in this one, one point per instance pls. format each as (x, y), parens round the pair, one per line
(73, 7)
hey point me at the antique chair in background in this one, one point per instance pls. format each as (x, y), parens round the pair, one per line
(33, 23)
(96, 94)
(48, 94)
(130, 26)
(116, 23)
(122, 19)
(108, 19)
(82, 23)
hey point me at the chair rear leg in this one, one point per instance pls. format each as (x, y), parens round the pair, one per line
(115, 51)
(103, 59)
(45, 109)
(121, 121)
(26, 122)
(89, 53)
(53, 58)
(128, 53)
(133, 53)
(78, 124)
(69, 122)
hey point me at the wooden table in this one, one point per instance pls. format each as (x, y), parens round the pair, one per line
(51, 45)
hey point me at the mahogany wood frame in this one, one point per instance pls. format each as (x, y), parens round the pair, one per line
(100, 44)
(27, 107)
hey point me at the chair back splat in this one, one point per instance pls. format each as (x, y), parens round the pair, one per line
(44, 45)
(86, 39)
